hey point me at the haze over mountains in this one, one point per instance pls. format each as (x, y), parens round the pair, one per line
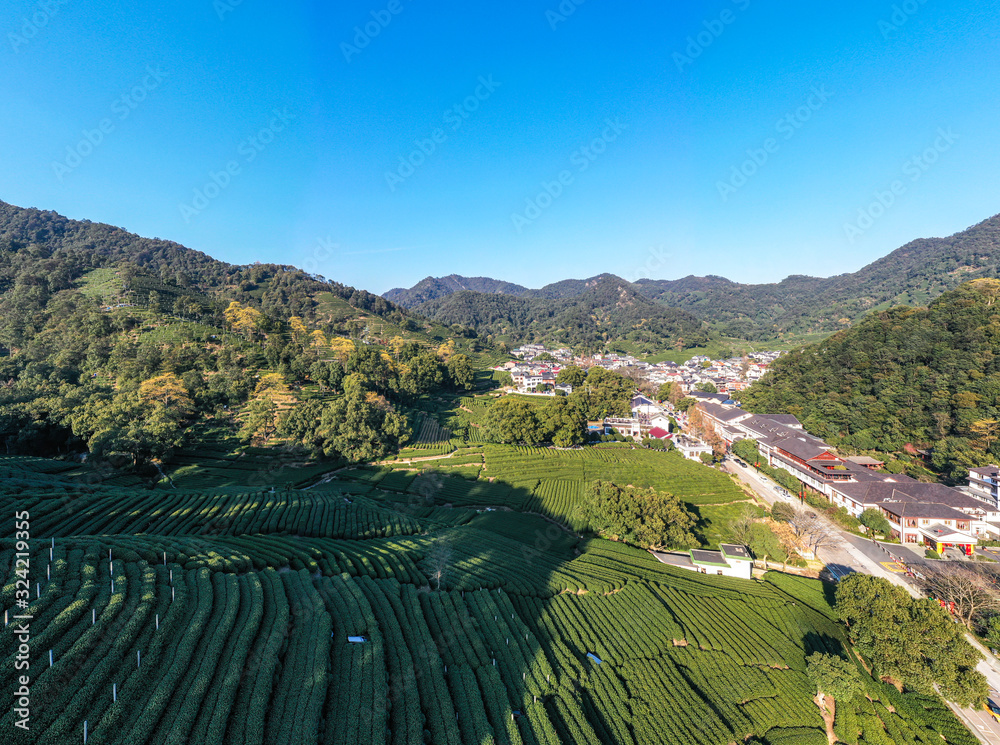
(913, 274)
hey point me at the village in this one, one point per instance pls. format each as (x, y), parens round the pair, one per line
(950, 521)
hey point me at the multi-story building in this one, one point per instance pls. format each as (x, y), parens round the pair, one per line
(984, 484)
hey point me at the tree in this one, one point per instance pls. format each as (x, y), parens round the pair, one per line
(983, 433)
(168, 390)
(972, 593)
(875, 521)
(604, 393)
(259, 420)
(993, 632)
(879, 614)
(685, 404)
(707, 387)
(782, 512)
(741, 525)
(460, 372)
(360, 427)
(747, 450)
(764, 543)
(298, 329)
(572, 375)
(641, 517)
(438, 560)
(512, 420)
(563, 423)
(815, 531)
(833, 676)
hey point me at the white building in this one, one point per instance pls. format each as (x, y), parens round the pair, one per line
(729, 561)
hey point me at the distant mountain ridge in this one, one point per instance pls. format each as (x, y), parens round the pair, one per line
(914, 274)
(590, 313)
(432, 288)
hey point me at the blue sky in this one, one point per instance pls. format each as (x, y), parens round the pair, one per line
(379, 142)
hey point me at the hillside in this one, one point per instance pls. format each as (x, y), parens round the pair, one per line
(605, 310)
(383, 607)
(122, 348)
(432, 288)
(927, 376)
(913, 274)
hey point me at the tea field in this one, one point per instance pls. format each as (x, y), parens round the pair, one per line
(397, 606)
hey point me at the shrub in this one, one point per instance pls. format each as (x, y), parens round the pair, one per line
(782, 512)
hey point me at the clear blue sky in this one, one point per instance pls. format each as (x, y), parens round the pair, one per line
(188, 88)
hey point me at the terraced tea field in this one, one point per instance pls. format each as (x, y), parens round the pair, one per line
(384, 606)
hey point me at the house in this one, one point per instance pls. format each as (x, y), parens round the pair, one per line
(872, 464)
(730, 560)
(626, 427)
(691, 447)
(983, 484)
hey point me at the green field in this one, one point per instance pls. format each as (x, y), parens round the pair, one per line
(224, 612)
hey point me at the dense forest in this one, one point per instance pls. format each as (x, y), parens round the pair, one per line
(923, 376)
(914, 275)
(608, 310)
(123, 346)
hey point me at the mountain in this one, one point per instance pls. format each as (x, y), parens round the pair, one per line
(122, 346)
(915, 273)
(432, 288)
(923, 376)
(50, 253)
(587, 313)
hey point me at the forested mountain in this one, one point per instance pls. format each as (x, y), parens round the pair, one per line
(914, 274)
(43, 253)
(432, 288)
(121, 345)
(607, 310)
(928, 376)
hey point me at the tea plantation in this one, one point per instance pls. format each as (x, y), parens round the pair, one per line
(226, 615)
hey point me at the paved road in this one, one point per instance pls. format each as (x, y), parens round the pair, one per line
(852, 553)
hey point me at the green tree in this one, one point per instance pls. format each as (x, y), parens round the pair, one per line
(764, 542)
(875, 521)
(879, 614)
(641, 517)
(460, 372)
(564, 424)
(360, 426)
(512, 420)
(747, 450)
(833, 676)
(258, 420)
(707, 387)
(572, 375)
